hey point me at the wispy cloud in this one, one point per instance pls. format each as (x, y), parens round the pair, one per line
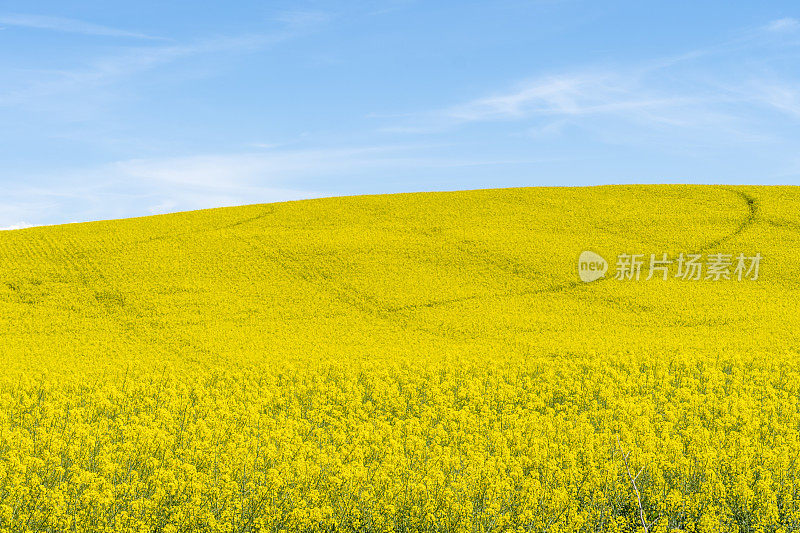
(40, 87)
(67, 25)
(19, 210)
(299, 20)
(783, 25)
(551, 102)
(18, 225)
(242, 173)
(157, 185)
(566, 95)
(778, 95)
(678, 92)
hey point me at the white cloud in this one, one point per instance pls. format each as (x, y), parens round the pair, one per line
(567, 95)
(588, 98)
(778, 95)
(708, 102)
(265, 146)
(302, 20)
(159, 185)
(67, 25)
(41, 88)
(266, 173)
(783, 25)
(18, 225)
(226, 171)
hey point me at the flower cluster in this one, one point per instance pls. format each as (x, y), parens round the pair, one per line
(537, 445)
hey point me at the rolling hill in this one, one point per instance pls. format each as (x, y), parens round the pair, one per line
(425, 361)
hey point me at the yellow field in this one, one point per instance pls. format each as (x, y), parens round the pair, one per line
(402, 363)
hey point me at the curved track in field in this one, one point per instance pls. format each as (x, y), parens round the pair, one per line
(370, 305)
(745, 223)
(749, 220)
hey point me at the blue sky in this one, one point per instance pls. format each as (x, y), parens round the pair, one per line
(118, 109)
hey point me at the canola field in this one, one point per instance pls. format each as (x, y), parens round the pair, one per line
(415, 362)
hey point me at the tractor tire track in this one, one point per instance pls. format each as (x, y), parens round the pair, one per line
(745, 223)
(349, 295)
(269, 210)
(304, 271)
(749, 220)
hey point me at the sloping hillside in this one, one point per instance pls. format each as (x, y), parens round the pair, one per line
(415, 361)
(403, 274)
